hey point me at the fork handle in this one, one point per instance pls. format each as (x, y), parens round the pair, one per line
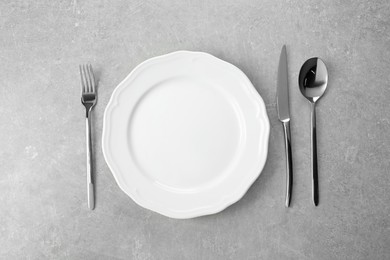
(90, 188)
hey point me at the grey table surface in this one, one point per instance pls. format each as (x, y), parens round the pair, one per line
(43, 210)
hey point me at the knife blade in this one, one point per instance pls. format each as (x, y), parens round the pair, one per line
(283, 107)
(282, 90)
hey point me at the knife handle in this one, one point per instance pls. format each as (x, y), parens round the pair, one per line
(289, 163)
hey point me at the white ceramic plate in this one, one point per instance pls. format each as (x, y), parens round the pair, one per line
(185, 134)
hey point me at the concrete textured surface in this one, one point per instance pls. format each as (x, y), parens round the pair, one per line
(43, 210)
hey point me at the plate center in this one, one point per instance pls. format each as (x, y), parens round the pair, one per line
(184, 134)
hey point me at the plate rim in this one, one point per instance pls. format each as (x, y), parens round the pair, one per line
(226, 201)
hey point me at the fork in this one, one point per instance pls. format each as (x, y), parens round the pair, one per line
(88, 99)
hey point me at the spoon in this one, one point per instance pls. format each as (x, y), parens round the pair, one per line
(313, 80)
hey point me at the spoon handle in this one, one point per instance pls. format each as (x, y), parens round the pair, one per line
(289, 164)
(314, 154)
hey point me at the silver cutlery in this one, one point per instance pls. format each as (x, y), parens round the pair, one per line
(313, 80)
(88, 99)
(282, 104)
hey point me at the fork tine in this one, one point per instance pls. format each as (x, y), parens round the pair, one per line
(92, 76)
(87, 78)
(83, 83)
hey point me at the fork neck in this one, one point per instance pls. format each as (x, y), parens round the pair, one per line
(88, 109)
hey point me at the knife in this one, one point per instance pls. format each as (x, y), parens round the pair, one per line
(282, 104)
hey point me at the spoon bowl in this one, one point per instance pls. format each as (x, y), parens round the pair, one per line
(313, 79)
